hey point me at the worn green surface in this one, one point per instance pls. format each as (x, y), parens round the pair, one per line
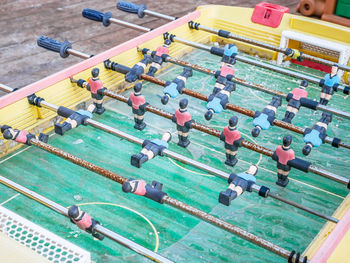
(184, 238)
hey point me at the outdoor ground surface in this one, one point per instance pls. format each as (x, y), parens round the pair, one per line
(22, 62)
(183, 238)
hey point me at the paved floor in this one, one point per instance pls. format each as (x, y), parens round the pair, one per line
(22, 21)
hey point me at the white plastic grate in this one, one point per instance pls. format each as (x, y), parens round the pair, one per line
(42, 241)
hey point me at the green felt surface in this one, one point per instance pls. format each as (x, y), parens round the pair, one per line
(182, 237)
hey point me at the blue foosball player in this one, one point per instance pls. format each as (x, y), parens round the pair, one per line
(230, 52)
(150, 149)
(174, 88)
(232, 138)
(183, 121)
(158, 58)
(84, 221)
(138, 69)
(264, 119)
(138, 103)
(238, 184)
(217, 102)
(315, 137)
(329, 84)
(77, 118)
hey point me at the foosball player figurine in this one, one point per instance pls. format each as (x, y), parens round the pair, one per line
(21, 136)
(264, 119)
(174, 88)
(230, 52)
(238, 184)
(159, 57)
(329, 84)
(96, 88)
(217, 102)
(138, 69)
(138, 104)
(73, 121)
(183, 121)
(140, 187)
(150, 149)
(315, 137)
(226, 73)
(232, 139)
(84, 221)
(282, 155)
(294, 103)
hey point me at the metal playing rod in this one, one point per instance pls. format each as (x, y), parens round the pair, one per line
(167, 199)
(196, 164)
(99, 228)
(5, 88)
(141, 10)
(100, 17)
(214, 132)
(245, 83)
(232, 107)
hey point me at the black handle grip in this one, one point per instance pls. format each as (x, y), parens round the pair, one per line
(132, 8)
(54, 45)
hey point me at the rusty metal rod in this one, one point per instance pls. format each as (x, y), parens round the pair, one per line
(170, 201)
(247, 144)
(245, 83)
(241, 110)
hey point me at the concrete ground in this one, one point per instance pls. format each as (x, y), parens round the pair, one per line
(22, 21)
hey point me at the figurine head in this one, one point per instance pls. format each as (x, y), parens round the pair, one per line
(166, 137)
(287, 140)
(74, 212)
(183, 104)
(138, 87)
(335, 68)
(95, 72)
(233, 121)
(304, 84)
(253, 170)
(130, 186)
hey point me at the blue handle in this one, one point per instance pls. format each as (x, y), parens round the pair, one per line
(93, 15)
(54, 45)
(132, 8)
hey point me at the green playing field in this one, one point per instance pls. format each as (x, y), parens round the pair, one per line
(177, 235)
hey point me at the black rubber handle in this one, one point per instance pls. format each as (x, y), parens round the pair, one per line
(132, 8)
(54, 45)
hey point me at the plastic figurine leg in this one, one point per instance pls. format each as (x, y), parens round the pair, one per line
(227, 196)
(99, 108)
(138, 159)
(139, 124)
(43, 137)
(282, 180)
(231, 160)
(61, 128)
(183, 141)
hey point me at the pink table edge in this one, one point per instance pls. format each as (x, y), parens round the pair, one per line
(43, 83)
(332, 241)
